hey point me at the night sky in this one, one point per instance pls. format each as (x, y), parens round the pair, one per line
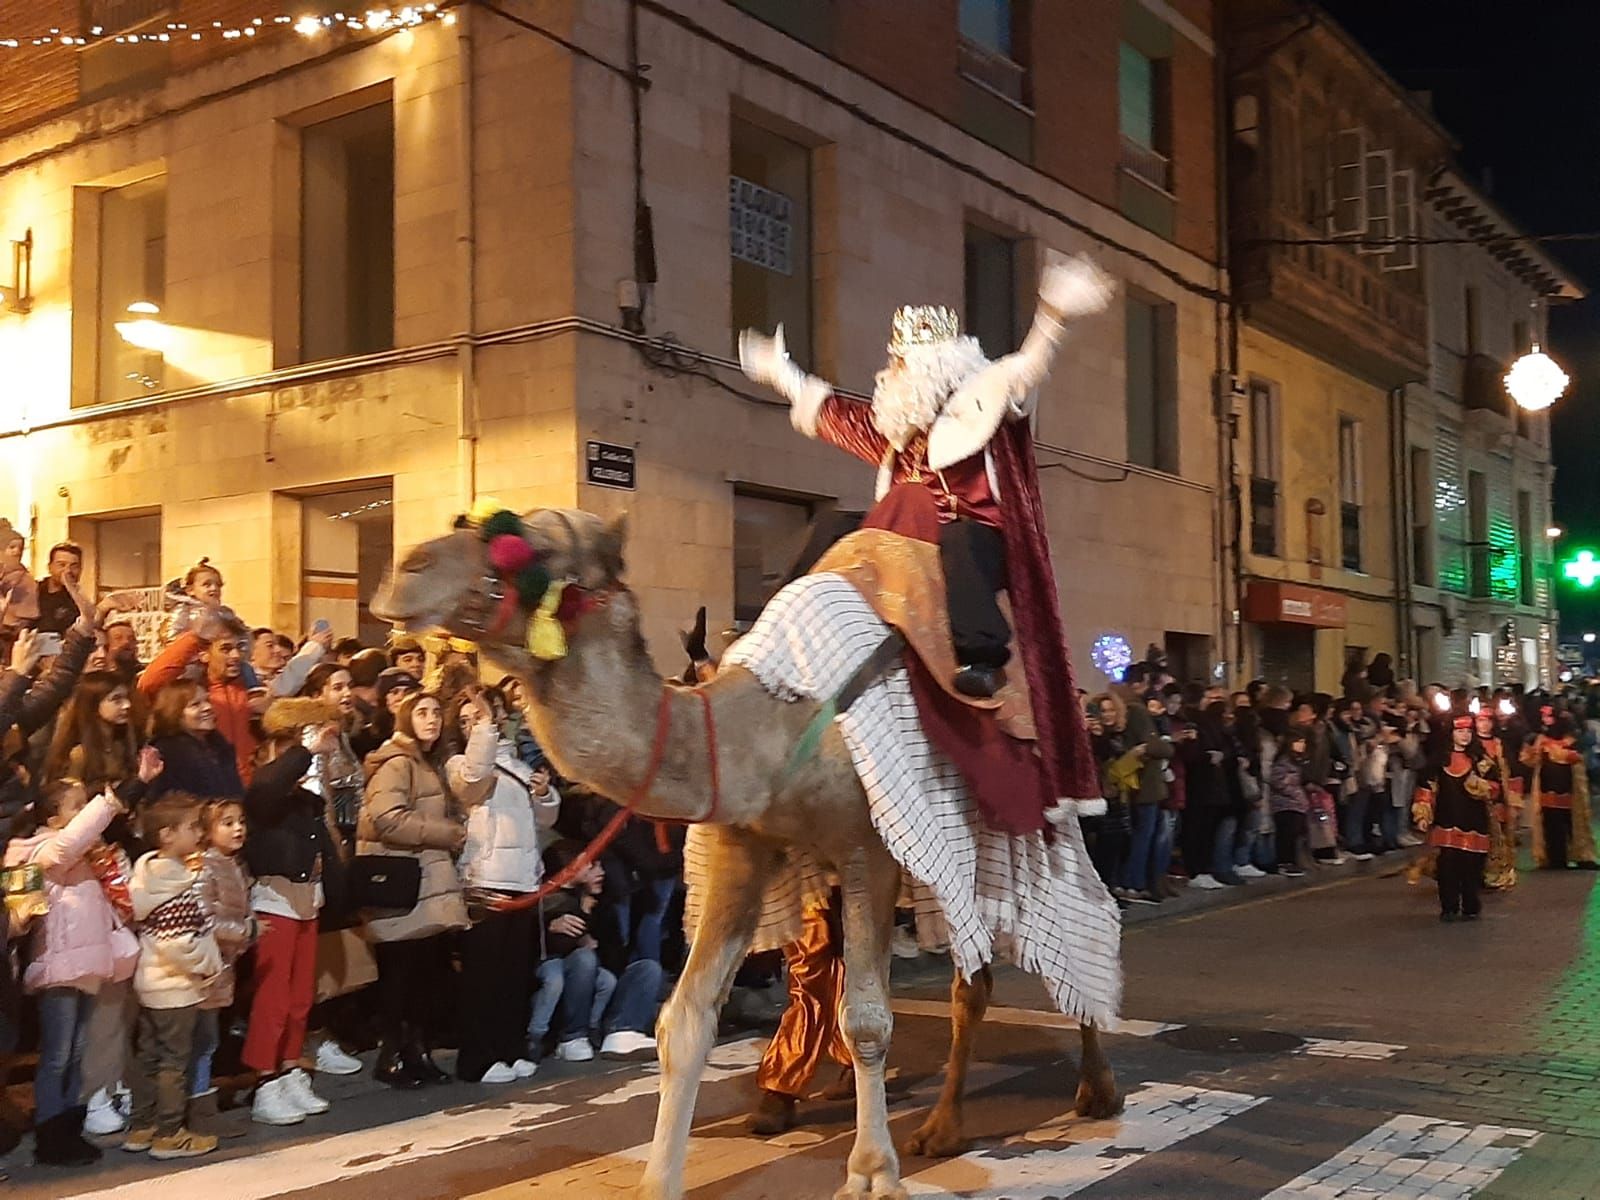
(1518, 84)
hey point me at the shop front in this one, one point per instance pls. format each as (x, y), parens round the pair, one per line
(1285, 620)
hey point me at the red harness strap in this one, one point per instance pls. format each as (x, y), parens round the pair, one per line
(658, 752)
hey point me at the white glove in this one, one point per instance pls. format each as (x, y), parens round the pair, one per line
(1075, 287)
(766, 360)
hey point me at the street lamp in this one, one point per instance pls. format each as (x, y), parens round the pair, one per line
(1588, 637)
(1554, 532)
(146, 330)
(1535, 381)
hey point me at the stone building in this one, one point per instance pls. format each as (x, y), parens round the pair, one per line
(394, 269)
(1480, 599)
(1329, 163)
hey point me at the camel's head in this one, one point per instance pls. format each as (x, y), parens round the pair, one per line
(450, 584)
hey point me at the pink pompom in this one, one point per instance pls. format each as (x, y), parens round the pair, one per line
(508, 554)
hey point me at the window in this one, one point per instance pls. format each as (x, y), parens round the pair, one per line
(347, 235)
(769, 230)
(1520, 344)
(1422, 506)
(1144, 116)
(1469, 319)
(347, 545)
(1265, 473)
(1525, 550)
(1152, 392)
(1350, 493)
(768, 533)
(988, 23)
(1483, 658)
(131, 288)
(991, 290)
(1402, 256)
(1348, 202)
(1379, 199)
(126, 552)
(1478, 558)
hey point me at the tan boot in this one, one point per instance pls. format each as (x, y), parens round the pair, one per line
(774, 1114)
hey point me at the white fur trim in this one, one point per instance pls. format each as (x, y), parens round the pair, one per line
(805, 406)
(1065, 810)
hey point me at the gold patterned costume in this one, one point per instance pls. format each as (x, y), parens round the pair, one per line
(1505, 815)
(1561, 816)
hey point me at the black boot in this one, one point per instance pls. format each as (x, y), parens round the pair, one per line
(59, 1142)
(392, 1069)
(981, 683)
(419, 1062)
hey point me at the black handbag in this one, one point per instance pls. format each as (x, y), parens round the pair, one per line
(391, 881)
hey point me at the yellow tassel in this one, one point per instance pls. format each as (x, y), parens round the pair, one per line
(484, 509)
(546, 639)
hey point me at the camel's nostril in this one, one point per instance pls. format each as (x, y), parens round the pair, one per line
(418, 560)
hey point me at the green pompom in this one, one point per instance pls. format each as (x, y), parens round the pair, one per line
(504, 521)
(532, 583)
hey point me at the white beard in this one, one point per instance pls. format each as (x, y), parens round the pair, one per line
(905, 402)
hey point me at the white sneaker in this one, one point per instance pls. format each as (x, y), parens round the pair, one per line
(575, 1049)
(1409, 839)
(904, 943)
(523, 1069)
(499, 1073)
(297, 1085)
(1251, 871)
(1206, 883)
(102, 1117)
(1363, 856)
(332, 1060)
(625, 1043)
(124, 1101)
(275, 1105)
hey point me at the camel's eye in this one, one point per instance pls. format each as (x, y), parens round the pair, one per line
(418, 560)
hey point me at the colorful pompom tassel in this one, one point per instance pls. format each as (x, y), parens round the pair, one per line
(546, 639)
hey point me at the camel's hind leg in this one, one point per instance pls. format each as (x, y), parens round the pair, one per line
(869, 883)
(942, 1134)
(1098, 1096)
(740, 867)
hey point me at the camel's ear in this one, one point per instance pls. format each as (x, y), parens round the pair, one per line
(609, 547)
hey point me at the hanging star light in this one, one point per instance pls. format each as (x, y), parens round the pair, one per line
(1111, 655)
(1536, 381)
(372, 20)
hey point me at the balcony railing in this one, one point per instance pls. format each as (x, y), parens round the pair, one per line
(1001, 75)
(1483, 387)
(1146, 164)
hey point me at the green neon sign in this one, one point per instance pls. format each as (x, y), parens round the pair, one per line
(1583, 569)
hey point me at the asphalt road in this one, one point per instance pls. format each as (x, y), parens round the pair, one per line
(1320, 1041)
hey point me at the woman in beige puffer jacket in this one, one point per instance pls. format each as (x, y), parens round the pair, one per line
(408, 811)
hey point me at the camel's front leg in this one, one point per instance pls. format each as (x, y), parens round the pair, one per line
(942, 1134)
(1097, 1086)
(869, 883)
(740, 867)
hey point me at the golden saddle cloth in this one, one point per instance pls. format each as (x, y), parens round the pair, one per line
(901, 578)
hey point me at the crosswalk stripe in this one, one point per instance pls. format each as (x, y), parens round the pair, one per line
(343, 1157)
(1068, 1154)
(1414, 1158)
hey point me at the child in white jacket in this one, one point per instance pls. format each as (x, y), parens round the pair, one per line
(178, 960)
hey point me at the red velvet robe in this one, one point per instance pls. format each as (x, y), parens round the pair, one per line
(1011, 783)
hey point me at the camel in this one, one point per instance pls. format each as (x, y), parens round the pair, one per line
(609, 721)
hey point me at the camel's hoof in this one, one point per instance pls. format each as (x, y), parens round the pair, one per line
(1098, 1101)
(774, 1114)
(937, 1139)
(882, 1190)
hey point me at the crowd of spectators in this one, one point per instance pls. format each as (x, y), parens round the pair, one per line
(256, 856)
(1210, 789)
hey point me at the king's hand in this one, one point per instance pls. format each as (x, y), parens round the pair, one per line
(763, 358)
(1074, 287)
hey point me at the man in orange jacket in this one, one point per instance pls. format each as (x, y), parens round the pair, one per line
(220, 637)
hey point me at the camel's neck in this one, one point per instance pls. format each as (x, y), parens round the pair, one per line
(597, 714)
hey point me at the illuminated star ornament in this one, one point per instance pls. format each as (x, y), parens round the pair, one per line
(1536, 381)
(1583, 570)
(1112, 654)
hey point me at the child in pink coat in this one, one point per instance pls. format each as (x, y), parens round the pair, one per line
(78, 945)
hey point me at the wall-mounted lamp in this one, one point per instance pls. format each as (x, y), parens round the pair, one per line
(145, 330)
(17, 295)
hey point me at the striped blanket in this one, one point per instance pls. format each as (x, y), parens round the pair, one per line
(1032, 898)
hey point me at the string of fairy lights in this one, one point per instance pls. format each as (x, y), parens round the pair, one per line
(310, 25)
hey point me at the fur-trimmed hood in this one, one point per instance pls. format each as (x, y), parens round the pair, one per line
(288, 716)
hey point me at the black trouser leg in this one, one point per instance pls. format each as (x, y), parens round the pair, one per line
(974, 561)
(1471, 882)
(1288, 826)
(496, 958)
(1450, 873)
(1557, 827)
(398, 983)
(1199, 827)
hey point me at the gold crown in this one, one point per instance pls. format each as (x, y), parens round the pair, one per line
(922, 325)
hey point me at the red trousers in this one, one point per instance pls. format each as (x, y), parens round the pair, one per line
(286, 985)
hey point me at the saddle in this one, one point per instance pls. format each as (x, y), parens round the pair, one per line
(903, 581)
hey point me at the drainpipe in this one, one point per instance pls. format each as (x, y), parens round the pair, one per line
(466, 252)
(1226, 523)
(1400, 491)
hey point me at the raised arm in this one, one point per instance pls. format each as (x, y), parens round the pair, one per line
(1069, 288)
(814, 409)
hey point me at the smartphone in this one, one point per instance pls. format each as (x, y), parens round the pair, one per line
(320, 625)
(49, 644)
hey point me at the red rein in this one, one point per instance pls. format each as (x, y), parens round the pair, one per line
(606, 836)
